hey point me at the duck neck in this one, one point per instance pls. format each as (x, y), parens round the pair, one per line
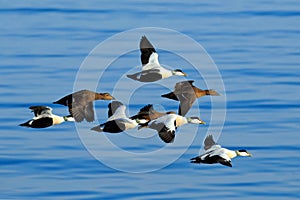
(199, 92)
(181, 121)
(68, 118)
(57, 119)
(166, 73)
(232, 154)
(141, 121)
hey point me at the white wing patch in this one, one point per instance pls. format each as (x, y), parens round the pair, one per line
(119, 113)
(167, 120)
(153, 62)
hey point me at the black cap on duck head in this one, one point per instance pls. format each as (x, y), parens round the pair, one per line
(243, 152)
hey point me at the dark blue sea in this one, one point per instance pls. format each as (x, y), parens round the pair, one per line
(249, 51)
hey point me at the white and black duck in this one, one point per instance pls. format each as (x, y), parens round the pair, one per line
(166, 125)
(117, 120)
(214, 153)
(152, 70)
(43, 118)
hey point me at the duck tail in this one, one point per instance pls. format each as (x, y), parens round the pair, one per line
(170, 95)
(97, 128)
(62, 101)
(27, 124)
(195, 160)
(132, 76)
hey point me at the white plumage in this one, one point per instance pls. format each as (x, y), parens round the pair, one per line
(166, 125)
(152, 70)
(214, 153)
(117, 120)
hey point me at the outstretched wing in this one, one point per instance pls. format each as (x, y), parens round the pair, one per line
(183, 84)
(146, 49)
(186, 95)
(144, 112)
(149, 75)
(89, 112)
(77, 110)
(148, 113)
(116, 110)
(41, 110)
(209, 142)
(224, 160)
(165, 126)
(186, 101)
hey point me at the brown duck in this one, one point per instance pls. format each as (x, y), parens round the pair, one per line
(148, 113)
(81, 104)
(186, 93)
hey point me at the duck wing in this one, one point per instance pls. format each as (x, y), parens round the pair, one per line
(149, 75)
(144, 113)
(89, 112)
(209, 142)
(146, 49)
(183, 84)
(41, 110)
(223, 159)
(186, 100)
(116, 110)
(77, 111)
(148, 113)
(165, 126)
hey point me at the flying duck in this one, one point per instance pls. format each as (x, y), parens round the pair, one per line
(148, 113)
(43, 118)
(81, 104)
(214, 153)
(117, 120)
(167, 124)
(152, 70)
(186, 93)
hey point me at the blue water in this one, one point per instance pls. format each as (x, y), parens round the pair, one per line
(255, 46)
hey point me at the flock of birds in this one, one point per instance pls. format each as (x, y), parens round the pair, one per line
(80, 105)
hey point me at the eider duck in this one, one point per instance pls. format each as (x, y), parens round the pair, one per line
(186, 93)
(214, 153)
(167, 124)
(152, 70)
(81, 104)
(43, 118)
(148, 113)
(117, 120)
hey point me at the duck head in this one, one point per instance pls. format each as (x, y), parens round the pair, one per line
(243, 152)
(195, 120)
(178, 72)
(104, 96)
